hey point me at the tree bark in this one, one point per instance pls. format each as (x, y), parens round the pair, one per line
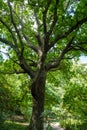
(38, 94)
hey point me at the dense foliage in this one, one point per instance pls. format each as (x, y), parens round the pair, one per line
(36, 38)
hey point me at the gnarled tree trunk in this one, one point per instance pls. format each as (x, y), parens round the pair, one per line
(38, 93)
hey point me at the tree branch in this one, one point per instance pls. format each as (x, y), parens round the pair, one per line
(25, 36)
(35, 48)
(37, 20)
(39, 39)
(25, 66)
(9, 43)
(16, 29)
(67, 5)
(56, 63)
(20, 20)
(22, 63)
(5, 24)
(49, 32)
(58, 37)
(44, 16)
(54, 19)
(79, 48)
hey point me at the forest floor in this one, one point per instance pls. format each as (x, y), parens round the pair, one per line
(20, 120)
(17, 122)
(56, 126)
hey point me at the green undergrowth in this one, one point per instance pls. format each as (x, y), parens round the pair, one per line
(9, 125)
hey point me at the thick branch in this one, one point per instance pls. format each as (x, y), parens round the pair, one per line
(35, 48)
(25, 66)
(45, 16)
(25, 36)
(15, 26)
(13, 22)
(22, 63)
(58, 37)
(55, 18)
(20, 20)
(56, 63)
(37, 20)
(7, 26)
(39, 39)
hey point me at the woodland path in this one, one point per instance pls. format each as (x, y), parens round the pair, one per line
(20, 121)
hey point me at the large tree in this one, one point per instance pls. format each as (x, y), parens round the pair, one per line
(38, 35)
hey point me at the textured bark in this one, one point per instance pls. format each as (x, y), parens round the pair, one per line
(36, 122)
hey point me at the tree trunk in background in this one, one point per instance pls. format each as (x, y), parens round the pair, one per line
(38, 93)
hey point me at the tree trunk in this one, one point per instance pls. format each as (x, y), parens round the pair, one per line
(38, 92)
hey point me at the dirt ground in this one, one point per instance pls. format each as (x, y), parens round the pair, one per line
(20, 119)
(56, 126)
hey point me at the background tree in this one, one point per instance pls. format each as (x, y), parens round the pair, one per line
(38, 35)
(75, 98)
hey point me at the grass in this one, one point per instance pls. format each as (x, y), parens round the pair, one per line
(9, 125)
